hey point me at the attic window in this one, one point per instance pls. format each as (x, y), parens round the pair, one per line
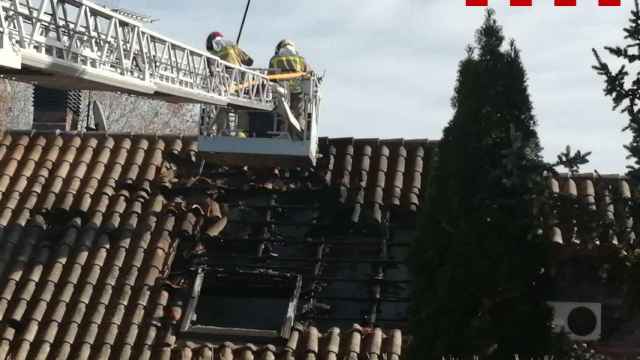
(250, 304)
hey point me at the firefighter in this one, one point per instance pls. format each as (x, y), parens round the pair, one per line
(287, 60)
(227, 50)
(231, 53)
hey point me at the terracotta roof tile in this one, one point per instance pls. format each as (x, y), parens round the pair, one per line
(306, 344)
(601, 198)
(86, 235)
(372, 174)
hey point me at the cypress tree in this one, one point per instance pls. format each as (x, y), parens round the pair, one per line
(480, 255)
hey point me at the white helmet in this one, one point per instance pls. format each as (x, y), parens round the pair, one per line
(284, 43)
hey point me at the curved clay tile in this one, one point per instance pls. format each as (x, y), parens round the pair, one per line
(37, 181)
(245, 352)
(182, 353)
(310, 346)
(413, 179)
(111, 281)
(588, 193)
(360, 181)
(395, 177)
(292, 342)
(352, 343)
(216, 228)
(364, 165)
(77, 175)
(153, 164)
(332, 344)
(328, 164)
(213, 209)
(608, 212)
(225, 351)
(307, 343)
(63, 169)
(78, 308)
(622, 216)
(152, 325)
(374, 344)
(392, 346)
(555, 235)
(163, 350)
(344, 182)
(568, 186)
(143, 266)
(175, 146)
(190, 148)
(135, 161)
(34, 230)
(9, 167)
(204, 353)
(27, 169)
(5, 144)
(95, 174)
(378, 183)
(268, 352)
(623, 187)
(188, 224)
(28, 293)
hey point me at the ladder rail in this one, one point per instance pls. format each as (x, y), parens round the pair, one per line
(80, 37)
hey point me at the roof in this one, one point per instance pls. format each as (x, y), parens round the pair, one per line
(586, 201)
(306, 343)
(380, 172)
(89, 222)
(87, 236)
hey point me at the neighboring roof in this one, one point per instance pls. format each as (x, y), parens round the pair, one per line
(86, 235)
(588, 203)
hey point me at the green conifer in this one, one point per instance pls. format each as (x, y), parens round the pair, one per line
(481, 256)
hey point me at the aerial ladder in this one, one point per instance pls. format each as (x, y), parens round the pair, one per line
(77, 44)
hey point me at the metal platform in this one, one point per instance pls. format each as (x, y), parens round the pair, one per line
(259, 152)
(285, 142)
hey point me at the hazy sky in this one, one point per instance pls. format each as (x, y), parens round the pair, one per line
(391, 64)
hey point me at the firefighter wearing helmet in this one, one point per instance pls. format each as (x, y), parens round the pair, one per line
(287, 60)
(227, 50)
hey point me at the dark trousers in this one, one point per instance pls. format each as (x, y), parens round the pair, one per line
(297, 109)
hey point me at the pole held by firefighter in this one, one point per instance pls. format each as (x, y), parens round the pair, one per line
(244, 18)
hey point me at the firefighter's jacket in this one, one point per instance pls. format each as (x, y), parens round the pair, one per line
(289, 64)
(231, 53)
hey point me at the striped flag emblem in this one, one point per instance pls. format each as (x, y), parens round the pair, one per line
(555, 2)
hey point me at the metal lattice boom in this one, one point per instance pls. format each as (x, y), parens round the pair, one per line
(78, 44)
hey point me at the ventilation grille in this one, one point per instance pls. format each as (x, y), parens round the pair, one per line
(55, 109)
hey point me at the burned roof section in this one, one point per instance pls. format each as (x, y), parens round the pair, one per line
(96, 230)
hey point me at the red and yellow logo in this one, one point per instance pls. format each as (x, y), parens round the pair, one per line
(530, 2)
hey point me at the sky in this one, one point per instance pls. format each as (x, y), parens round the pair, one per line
(391, 65)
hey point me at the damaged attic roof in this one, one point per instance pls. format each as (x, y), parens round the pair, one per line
(87, 238)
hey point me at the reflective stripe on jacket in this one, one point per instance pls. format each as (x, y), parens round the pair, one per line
(288, 63)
